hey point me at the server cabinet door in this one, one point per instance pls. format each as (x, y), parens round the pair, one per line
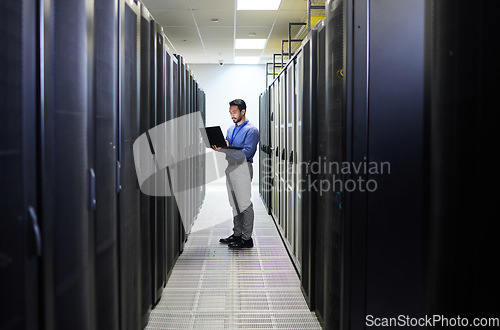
(396, 227)
(147, 121)
(105, 89)
(171, 214)
(282, 156)
(297, 157)
(320, 203)
(460, 140)
(158, 226)
(66, 221)
(275, 149)
(176, 112)
(129, 199)
(20, 237)
(308, 146)
(289, 154)
(335, 121)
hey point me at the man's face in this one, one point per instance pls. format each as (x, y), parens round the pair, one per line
(236, 114)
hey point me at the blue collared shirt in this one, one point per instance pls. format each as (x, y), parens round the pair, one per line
(246, 136)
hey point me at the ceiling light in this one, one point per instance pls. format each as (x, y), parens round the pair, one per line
(246, 59)
(250, 43)
(215, 20)
(258, 4)
(252, 34)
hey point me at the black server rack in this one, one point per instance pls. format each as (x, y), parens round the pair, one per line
(129, 198)
(309, 154)
(20, 236)
(459, 235)
(189, 143)
(146, 122)
(182, 170)
(200, 99)
(358, 82)
(320, 200)
(334, 120)
(173, 221)
(104, 90)
(383, 57)
(81, 246)
(178, 228)
(158, 233)
(264, 157)
(67, 178)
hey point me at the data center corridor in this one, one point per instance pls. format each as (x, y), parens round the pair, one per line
(212, 287)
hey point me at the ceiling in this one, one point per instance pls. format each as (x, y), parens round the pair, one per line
(191, 32)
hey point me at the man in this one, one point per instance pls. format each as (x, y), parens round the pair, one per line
(239, 174)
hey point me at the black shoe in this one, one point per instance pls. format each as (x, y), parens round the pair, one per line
(230, 239)
(244, 243)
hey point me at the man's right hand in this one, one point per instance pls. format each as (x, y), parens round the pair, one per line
(217, 148)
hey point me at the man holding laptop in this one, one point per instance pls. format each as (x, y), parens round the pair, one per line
(242, 140)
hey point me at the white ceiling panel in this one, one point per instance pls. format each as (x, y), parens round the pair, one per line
(189, 27)
(261, 32)
(190, 45)
(212, 4)
(166, 4)
(204, 17)
(255, 18)
(184, 32)
(247, 52)
(214, 44)
(174, 17)
(220, 32)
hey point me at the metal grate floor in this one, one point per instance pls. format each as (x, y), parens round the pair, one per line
(212, 287)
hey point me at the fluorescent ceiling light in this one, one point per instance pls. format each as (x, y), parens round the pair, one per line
(258, 4)
(246, 59)
(249, 43)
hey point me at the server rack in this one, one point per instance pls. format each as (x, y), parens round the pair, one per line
(21, 241)
(129, 198)
(309, 153)
(147, 114)
(265, 179)
(320, 200)
(177, 112)
(459, 141)
(67, 218)
(333, 96)
(104, 89)
(158, 226)
(388, 134)
(173, 225)
(297, 158)
(81, 80)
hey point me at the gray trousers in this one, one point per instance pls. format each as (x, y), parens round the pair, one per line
(239, 191)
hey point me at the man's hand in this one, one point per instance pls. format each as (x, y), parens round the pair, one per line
(217, 148)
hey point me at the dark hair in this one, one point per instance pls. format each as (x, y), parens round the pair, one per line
(239, 103)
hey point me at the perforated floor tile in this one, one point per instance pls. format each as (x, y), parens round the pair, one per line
(214, 287)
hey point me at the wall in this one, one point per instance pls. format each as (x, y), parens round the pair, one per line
(228, 82)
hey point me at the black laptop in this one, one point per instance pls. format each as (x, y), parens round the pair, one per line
(213, 136)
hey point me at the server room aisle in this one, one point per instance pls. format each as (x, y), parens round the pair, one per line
(212, 287)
